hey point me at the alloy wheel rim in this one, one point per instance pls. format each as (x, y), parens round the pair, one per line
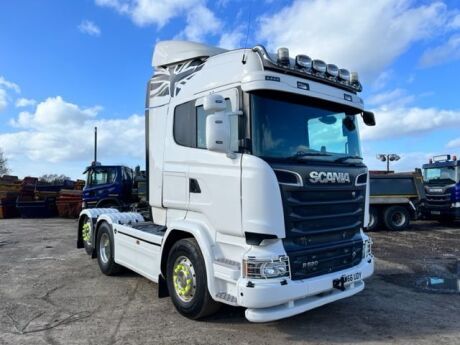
(104, 248)
(184, 279)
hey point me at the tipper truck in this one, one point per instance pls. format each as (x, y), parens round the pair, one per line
(258, 193)
(442, 188)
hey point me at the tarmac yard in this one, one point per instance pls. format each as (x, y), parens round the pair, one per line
(53, 293)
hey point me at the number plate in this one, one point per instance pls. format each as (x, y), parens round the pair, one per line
(350, 278)
(436, 212)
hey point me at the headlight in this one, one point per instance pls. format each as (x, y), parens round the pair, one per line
(367, 248)
(456, 204)
(264, 269)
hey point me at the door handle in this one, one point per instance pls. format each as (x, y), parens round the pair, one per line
(194, 186)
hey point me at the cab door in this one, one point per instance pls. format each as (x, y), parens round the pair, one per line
(214, 180)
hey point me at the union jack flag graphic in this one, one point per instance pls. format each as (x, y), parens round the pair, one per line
(168, 81)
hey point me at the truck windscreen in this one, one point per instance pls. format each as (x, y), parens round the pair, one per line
(101, 176)
(286, 127)
(439, 174)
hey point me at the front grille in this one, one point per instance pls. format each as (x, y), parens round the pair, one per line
(438, 200)
(317, 261)
(323, 228)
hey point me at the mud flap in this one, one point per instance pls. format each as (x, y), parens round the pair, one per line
(162, 287)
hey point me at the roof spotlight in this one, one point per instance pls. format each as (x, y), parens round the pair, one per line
(332, 70)
(283, 56)
(319, 66)
(344, 74)
(354, 79)
(303, 61)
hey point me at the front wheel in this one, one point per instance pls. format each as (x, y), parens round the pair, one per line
(187, 281)
(396, 218)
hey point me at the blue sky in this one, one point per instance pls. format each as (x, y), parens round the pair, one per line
(66, 66)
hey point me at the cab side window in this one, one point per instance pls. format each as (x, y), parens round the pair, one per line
(190, 125)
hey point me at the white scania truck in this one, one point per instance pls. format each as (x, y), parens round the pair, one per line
(258, 193)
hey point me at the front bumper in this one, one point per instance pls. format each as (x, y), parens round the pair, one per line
(269, 300)
(437, 212)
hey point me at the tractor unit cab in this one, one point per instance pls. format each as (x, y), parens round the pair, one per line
(108, 186)
(442, 187)
(258, 191)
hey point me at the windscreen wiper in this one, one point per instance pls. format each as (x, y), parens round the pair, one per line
(302, 154)
(343, 159)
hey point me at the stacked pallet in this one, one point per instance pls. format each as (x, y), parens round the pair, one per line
(35, 202)
(9, 191)
(69, 203)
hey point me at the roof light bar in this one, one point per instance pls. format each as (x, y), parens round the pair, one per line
(309, 68)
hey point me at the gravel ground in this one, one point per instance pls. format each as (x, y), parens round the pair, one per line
(53, 293)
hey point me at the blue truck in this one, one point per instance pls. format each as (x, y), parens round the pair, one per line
(442, 189)
(113, 186)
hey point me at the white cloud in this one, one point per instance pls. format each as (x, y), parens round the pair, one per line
(200, 22)
(24, 102)
(9, 85)
(390, 99)
(455, 143)
(358, 34)
(233, 39)
(455, 22)
(446, 52)
(59, 131)
(90, 28)
(55, 112)
(6, 85)
(146, 12)
(382, 80)
(3, 100)
(399, 121)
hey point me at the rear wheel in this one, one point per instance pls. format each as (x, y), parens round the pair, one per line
(187, 281)
(105, 252)
(86, 235)
(396, 218)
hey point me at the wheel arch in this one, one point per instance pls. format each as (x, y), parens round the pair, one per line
(186, 229)
(108, 201)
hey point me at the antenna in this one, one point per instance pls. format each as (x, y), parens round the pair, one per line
(243, 60)
(95, 145)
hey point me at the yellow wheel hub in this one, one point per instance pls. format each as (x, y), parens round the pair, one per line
(184, 279)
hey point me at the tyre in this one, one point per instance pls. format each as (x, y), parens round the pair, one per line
(105, 252)
(373, 219)
(396, 218)
(187, 281)
(86, 235)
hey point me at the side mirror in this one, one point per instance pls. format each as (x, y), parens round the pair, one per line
(218, 132)
(217, 124)
(369, 118)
